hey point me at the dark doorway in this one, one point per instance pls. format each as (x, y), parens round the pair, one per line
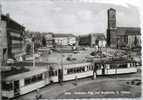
(60, 75)
(103, 70)
(16, 88)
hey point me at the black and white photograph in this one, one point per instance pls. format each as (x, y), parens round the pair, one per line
(70, 49)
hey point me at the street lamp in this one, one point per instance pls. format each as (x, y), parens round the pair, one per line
(61, 70)
(33, 52)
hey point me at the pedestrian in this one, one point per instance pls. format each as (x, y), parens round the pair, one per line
(76, 79)
(38, 95)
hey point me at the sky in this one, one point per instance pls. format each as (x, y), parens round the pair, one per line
(60, 16)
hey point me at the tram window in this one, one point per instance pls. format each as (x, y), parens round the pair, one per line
(112, 66)
(27, 81)
(6, 85)
(123, 66)
(83, 69)
(56, 73)
(53, 73)
(46, 74)
(75, 70)
(33, 79)
(70, 71)
(98, 66)
(134, 65)
(130, 65)
(91, 67)
(78, 70)
(39, 77)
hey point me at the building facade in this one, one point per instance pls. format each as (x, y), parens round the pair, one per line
(122, 37)
(12, 37)
(64, 39)
(93, 39)
(85, 40)
(49, 39)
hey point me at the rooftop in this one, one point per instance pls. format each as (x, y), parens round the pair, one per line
(8, 18)
(99, 36)
(130, 30)
(26, 74)
(64, 35)
(117, 60)
(13, 71)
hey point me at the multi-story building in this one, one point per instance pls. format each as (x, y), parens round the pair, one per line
(96, 39)
(122, 37)
(64, 39)
(49, 39)
(12, 37)
(85, 40)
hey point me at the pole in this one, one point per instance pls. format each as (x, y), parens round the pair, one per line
(61, 77)
(33, 57)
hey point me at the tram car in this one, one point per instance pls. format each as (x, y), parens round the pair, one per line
(22, 83)
(38, 77)
(110, 67)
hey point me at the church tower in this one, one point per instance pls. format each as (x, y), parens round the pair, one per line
(111, 30)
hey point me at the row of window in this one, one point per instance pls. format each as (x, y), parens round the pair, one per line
(79, 69)
(15, 34)
(132, 64)
(53, 73)
(17, 45)
(6, 85)
(33, 79)
(113, 66)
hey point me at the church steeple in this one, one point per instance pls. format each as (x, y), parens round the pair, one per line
(111, 30)
(111, 18)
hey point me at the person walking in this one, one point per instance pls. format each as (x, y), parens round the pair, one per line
(76, 80)
(38, 94)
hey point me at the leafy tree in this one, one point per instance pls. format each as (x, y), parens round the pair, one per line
(43, 41)
(28, 48)
(135, 42)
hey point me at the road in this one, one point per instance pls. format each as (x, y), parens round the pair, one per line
(88, 86)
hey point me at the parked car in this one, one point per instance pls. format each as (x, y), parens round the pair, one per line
(10, 61)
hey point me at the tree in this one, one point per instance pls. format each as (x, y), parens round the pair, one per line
(44, 41)
(28, 48)
(135, 42)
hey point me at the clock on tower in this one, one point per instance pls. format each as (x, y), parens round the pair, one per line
(111, 18)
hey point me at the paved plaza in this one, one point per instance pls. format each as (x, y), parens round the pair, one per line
(103, 86)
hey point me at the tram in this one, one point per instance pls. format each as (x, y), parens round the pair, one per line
(36, 78)
(111, 67)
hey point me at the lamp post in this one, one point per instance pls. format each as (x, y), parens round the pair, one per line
(33, 51)
(61, 70)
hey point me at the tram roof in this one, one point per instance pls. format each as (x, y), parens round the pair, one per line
(30, 73)
(113, 61)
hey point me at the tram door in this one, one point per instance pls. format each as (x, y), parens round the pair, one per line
(95, 71)
(16, 88)
(60, 75)
(103, 69)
